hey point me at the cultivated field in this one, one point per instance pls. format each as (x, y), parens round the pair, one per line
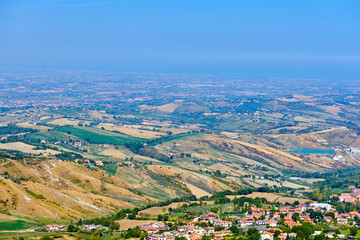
(294, 185)
(33, 126)
(166, 108)
(313, 180)
(65, 121)
(132, 131)
(162, 210)
(197, 191)
(25, 148)
(113, 153)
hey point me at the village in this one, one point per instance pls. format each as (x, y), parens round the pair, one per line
(267, 222)
(286, 222)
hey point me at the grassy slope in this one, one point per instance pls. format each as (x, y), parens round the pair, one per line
(99, 136)
(16, 225)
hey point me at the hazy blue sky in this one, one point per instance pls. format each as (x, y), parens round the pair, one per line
(269, 38)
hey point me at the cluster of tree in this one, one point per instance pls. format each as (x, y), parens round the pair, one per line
(248, 107)
(14, 129)
(68, 156)
(11, 154)
(139, 148)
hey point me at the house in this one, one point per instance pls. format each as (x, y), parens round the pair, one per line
(347, 197)
(154, 236)
(292, 224)
(46, 154)
(194, 237)
(221, 223)
(154, 227)
(342, 221)
(93, 226)
(272, 223)
(218, 238)
(208, 217)
(329, 235)
(267, 236)
(316, 233)
(246, 222)
(282, 236)
(222, 233)
(55, 227)
(292, 235)
(235, 218)
(262, 222)
(99, 163)
(321, 205)
(209, 231)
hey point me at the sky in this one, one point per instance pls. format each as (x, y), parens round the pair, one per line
(245, 38)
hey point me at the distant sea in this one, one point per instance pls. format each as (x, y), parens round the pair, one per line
(313, 151)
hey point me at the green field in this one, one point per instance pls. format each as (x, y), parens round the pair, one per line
(338, 191)
(98, 136)
(155, 192)
(49, 136)
(65, 111)
(16, 225)
(13, 235)
(111, 169)
(171, 138)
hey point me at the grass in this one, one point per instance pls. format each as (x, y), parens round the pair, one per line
(98, 136)
(16, 225)
(338, 191)
(111, 169)
(108, 237)
(155, 192)
(171, 138)
(13, 235)
(37, 196)
(49, 136)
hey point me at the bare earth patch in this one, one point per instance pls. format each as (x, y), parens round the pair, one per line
(272, 197)
(125, 224)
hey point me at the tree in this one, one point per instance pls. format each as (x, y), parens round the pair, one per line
(306, 228)
(296, 203)
(300, 234)
(72, 228)
(217, 173)
(320, 237)
(114, 226)
(214, 209)
(253, 234)
(46, 238)
(234, 229)
(80, 222)
(353, 231)
(330, 214)
(133, 233)
(295, 217)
